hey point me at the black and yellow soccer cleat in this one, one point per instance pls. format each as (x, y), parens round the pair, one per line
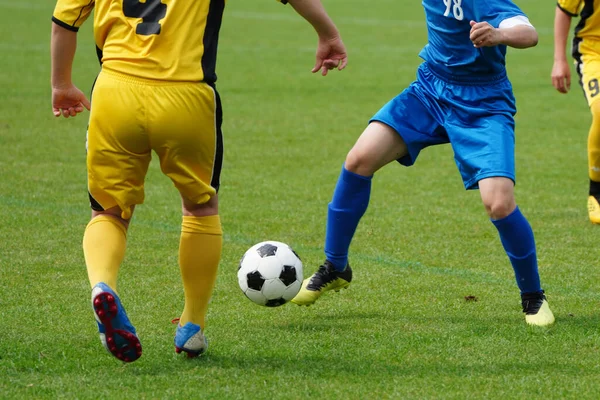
(594, 210)
(536, 309)
(326, 278)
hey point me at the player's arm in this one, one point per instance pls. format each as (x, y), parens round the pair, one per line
(515, 32)
(331, 52)
(519, 36)
(67, 99)
(561, 71)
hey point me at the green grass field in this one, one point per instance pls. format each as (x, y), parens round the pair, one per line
(402, 330)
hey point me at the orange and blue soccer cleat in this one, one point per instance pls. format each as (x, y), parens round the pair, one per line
(326, 278)
(117, 334)
(190, 339)
(594, 210)
(536, 309)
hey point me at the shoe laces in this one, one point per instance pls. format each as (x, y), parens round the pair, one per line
(324, 269)
(532, 302)
(324, 275)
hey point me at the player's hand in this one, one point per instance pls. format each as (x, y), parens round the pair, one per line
(484, 35)
(561, 76)
(68, 101)
(331, 53)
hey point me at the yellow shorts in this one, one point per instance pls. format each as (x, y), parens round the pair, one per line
(130, 118)
(587, 57)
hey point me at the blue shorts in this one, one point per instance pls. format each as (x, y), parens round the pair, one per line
(476, 118)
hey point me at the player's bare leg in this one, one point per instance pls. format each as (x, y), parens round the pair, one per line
(378, 145)
(199, 256)
(593, 147)
(497, 194)
(104, 249)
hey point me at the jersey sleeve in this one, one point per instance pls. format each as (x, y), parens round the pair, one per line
(515, 21)
(496, 11)
(71, 14)
(570, 7)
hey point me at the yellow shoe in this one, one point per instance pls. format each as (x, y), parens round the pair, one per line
(536, 309)
(326, 278)
(594, 210)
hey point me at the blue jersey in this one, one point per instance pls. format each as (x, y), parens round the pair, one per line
(450, 51)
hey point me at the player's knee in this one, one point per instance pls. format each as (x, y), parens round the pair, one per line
(191, 209)
(115, 213)
(358, 162)
(499, 207)
(497, 195)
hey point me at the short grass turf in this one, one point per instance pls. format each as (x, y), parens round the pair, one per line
(404, 329)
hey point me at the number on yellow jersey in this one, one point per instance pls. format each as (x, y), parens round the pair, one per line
(150, 12)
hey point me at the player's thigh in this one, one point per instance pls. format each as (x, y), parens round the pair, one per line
(118, 149)
(186, 135)
(378, 145)
(412, 117)
(484, 148)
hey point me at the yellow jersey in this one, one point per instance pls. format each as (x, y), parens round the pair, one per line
(589, 13)
(167, 40)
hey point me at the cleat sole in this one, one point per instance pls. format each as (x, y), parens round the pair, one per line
(120, 343)
(188, 353)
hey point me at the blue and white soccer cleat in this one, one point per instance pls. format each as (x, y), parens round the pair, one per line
(190, 339)
(117, 334)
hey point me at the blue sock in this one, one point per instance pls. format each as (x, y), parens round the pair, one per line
(517, 238)
(349, 203)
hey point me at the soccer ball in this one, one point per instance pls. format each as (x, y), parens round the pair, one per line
(270, 273)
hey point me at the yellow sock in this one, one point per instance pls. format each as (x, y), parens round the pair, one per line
(104, 244)
(594, 144)
(199, 256)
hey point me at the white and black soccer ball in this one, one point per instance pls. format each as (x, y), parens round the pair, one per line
(270, 273)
